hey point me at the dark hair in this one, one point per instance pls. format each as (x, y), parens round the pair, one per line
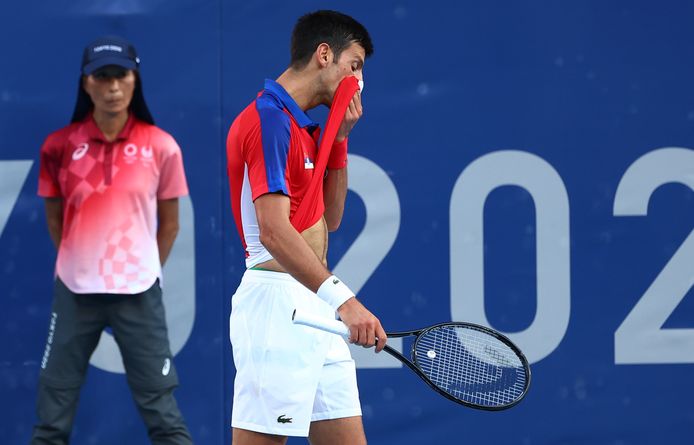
(137, 105)
(334, 28)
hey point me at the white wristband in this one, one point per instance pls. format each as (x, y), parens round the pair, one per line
(334, 292)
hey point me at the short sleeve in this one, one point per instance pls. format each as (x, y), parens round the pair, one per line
(266, 150)
(172, 177)
(49, 168)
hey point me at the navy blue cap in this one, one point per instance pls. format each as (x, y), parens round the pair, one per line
(109, 50)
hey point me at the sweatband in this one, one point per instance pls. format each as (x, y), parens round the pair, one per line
(334, 292)
(338, 155)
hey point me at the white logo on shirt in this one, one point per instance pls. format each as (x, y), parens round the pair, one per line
(80, 151)
(130, 150)
(167, 367)
(146, 152)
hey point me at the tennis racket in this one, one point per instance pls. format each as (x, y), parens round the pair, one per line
(469, 364)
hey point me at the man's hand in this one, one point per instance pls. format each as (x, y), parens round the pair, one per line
(364, 327)
(352, 115)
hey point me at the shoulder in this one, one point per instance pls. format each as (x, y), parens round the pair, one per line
(152, 131)
(271, 112)
(159, 139)
(263, 116)
(57, 139)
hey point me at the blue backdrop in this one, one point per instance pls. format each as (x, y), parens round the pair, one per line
(526, 165)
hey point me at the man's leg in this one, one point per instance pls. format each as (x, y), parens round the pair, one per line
(74, 331)
(246, 437)
(336, 408)
(278, 365)
(139, 328)
(345, 431)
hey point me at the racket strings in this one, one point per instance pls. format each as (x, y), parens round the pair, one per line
(471, 365)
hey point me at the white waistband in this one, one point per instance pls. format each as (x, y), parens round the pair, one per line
(267, 276)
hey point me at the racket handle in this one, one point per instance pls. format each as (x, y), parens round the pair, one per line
(322, 323)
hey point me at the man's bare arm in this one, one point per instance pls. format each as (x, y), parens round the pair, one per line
(285, 244)
(335, 183)
(334, 194)
(291, 250)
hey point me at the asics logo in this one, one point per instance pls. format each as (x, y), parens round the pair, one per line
(80, 151)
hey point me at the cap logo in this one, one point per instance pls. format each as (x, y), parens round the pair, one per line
(98, 49)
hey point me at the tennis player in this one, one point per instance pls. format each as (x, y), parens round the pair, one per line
(111, 180)
(292, 380)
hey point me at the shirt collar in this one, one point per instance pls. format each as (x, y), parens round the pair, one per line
(95, 132)
(290, 104)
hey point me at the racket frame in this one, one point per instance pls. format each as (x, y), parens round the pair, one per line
(412, 363)
(339, 328)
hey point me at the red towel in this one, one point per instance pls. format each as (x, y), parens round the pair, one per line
(311, 208)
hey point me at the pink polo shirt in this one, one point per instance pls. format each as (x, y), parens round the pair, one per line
(110, 192)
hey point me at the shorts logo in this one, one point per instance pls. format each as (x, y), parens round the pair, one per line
(80, 151)
(167, 367)
(282, 419)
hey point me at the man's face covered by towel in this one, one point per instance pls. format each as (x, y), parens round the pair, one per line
(350, 62)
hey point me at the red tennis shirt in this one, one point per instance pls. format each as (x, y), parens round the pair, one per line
(271, 148)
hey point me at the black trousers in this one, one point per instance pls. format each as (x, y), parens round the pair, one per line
(139, 327)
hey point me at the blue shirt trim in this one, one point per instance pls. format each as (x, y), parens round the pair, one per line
(275, 134)
(288, 103)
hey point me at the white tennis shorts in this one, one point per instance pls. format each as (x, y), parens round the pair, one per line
(287, 375)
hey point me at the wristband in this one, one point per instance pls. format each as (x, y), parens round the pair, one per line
(334, 292)
(338, 155)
